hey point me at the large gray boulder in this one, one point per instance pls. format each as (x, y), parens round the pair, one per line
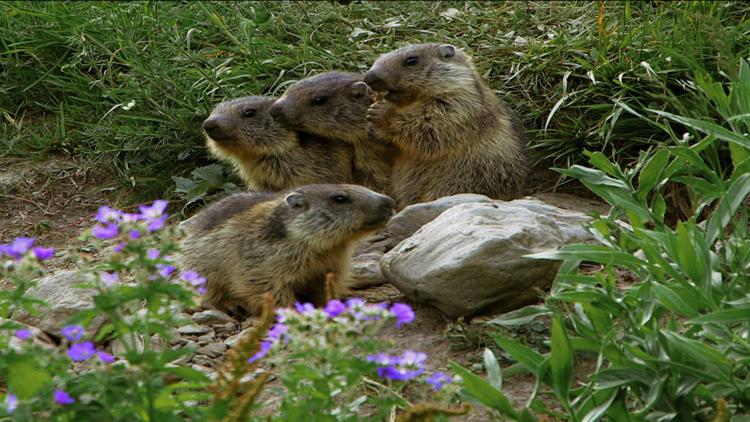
(470, 259)
(64, 301)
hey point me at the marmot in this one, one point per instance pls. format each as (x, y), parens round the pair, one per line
(334, 105)
(454, 135)
(282, 243)
(268, 156)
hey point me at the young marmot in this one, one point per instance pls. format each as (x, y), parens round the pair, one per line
(454, 135)
(268, 156)
(333, 105)
(282, 243)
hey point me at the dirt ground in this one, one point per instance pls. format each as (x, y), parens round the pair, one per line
(55, 200)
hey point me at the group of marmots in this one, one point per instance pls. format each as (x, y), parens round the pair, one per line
(419, 125)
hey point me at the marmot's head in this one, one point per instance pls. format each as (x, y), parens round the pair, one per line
(243, 125)
(421, 70)
(332, 105)
(325, 216)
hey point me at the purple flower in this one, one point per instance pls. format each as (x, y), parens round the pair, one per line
(334, 308)
(304, 308)
(43, 253)
(105, 357)
(72, 332)
(400, 368)
(165, 270)
(81, 351)
(119, 247)
(195, 280)
(19, 247)
(277, 331)
(109, 279)
(4, 249)
(153, 254)
(403, 314)
(354, 302)
(11, 402)
(438, 379)
(23, 334)
(61, 397)
(108, 215)
(154, 214)
(265, 347)
(105, 232)
(130, 217)
(134, 234)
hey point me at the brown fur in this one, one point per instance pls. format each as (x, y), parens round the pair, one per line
(334, 105)
(281, 243)
(268, 156)
(453, 133)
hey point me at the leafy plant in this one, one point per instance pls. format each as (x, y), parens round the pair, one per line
(673, 345)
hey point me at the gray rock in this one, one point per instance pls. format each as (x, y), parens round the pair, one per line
(194, 330)
(206, 338)
(470, 259)
(366, 271)
(573, 203)
(213, 350)
(64, 301)
(411, 218)
(211, 316)
(233, 340)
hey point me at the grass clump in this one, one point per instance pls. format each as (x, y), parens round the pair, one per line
(129, 83)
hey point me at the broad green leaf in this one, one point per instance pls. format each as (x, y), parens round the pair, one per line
(526, 416)
(595, 253)
(673, 301)
(480, 390)
(561, 361)
(697, 353)
(26, 377)
(494, 374)
(213, 174)
(526, 356)
(600, 410)
(520, 316)
(727, 207)
(708, 128)
(651, 173)
(600, 161)
(615, 377)
(724, 316)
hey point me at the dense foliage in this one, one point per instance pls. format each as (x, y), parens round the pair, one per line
(133, 81)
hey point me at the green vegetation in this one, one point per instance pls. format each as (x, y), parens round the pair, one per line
(129, 83)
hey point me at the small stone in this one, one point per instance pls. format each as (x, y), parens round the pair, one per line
(229, 327)
(366, 271)
(194, 330)
(213, 350)
(211, 316)
(206, 338)
(232, 341)
(204, 361)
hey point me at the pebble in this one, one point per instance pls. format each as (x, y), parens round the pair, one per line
(213, 350)
(194, 330)
(212, 316)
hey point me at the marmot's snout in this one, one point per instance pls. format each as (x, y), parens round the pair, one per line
(375, 82)
(275, 110)
(216, 128)
(382, 210)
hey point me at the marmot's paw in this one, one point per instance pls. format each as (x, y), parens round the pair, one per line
(378, 112)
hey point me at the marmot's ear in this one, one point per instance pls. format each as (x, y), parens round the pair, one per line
(446, 51)
(296, 200)
(359, 90)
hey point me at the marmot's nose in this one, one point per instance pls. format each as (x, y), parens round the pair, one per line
(214, 128)
(387, 203)
(375, 82)
(275, 110)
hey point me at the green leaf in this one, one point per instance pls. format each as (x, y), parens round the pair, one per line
(724, 316)
(651, 173)
(494, 374)
(708, 128)
(696, 353)
(600, 410)
(599, 254)
(615, 377)
(213, 174)
(26, 377)
(673, 301)
(600, 161)
(727, 207)
(481, 391)
(561, 361)
(520, 316)
(526, 356)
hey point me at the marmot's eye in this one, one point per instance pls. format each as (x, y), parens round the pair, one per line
(250, 112)
(340, 199)
(411, 61)
(319, 100)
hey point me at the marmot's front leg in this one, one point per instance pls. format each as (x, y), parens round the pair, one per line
(378, 115)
